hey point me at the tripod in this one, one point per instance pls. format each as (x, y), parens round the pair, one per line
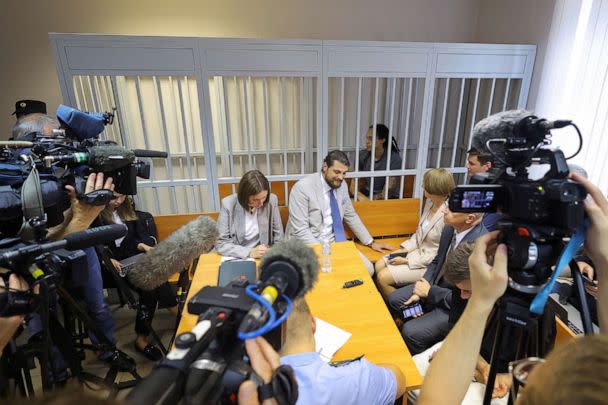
(53, 333)
(513, 313)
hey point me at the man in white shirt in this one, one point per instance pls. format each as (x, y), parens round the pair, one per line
(353, 382)
(319, 203)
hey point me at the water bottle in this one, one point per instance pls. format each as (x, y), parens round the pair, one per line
(325, 256)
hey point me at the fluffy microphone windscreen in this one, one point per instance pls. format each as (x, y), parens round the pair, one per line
(500, 125)
(300, 256)
(175, 253)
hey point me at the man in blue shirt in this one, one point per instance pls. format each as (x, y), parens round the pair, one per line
(356, 382)
(478, 162)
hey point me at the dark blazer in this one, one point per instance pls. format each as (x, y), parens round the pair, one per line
(440, 293)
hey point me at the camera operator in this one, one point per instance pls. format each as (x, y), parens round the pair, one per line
(79, 217)
(574, 373)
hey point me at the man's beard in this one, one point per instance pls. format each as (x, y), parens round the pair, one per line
(331, 183)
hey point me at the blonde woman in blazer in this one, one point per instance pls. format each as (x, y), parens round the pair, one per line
(249, 221)
(422, 247)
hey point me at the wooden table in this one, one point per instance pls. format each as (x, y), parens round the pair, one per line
(359, 310)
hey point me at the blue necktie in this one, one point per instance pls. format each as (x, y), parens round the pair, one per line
(339, 234)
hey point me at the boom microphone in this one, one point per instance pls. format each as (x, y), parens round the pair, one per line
(100, 158)
(175, 253)
(74, 241)
(291, 268)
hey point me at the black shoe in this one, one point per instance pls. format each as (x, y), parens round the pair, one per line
(151, 352)
(120, 361)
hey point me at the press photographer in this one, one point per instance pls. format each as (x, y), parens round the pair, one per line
(539, 216)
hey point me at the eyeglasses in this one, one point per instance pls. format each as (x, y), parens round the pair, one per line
(521, 369)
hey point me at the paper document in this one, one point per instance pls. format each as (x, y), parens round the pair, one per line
(329, 339)
(230, 259)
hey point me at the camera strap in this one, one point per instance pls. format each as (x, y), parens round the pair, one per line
(570, 250)
(31, 204)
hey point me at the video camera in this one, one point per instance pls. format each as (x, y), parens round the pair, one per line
(209, 363)
(49, 261)
(536, 214)
(67, 156)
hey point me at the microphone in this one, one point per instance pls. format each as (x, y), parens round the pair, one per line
(175, 253)
(103, 158)
(289, 267)
(74, 241)
(146, 153)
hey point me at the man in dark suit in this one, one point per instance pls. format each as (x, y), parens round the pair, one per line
(433, 291)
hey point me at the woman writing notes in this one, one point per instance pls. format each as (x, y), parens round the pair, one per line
(249, 220)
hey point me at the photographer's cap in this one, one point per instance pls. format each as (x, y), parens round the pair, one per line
(81, 124)
(25, 107)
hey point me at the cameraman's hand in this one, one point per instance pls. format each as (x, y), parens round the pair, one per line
(596, 207)
(84, 214)
(488, 283)
(264, 360)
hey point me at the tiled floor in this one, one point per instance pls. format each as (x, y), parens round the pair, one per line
(164, 324)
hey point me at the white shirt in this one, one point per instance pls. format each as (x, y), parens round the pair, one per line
(117, 220)
(252, 231)
(460, 236)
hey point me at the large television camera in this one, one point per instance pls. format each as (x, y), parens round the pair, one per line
(209, 363)
(537, 215)
(65, 157)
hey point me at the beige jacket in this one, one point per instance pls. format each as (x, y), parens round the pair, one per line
(423, 245)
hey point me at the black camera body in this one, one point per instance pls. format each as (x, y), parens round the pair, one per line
(537, 215)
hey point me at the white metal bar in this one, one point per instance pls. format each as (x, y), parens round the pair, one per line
(227, 119)
(408, 108)
(190, 111)
(94, 93)
(341, 116)
(247, 123)
(266, 124)
(358, 135)
(85, 105)
(123, 125)
(303, 140)
(445, 110)
(185, 129)
(390, 136)
(456, 131)
(491, 97)
(169, 160)
(282, 124)
(145, 133)
(181, 166)
(372, 161)
(474, 113)
(507, 88)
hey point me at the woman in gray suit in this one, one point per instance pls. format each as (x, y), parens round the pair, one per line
(249, 220)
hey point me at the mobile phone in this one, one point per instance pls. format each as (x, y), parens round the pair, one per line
(398, 254)
(412, 310)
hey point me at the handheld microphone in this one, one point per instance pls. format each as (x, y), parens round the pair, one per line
(289, 267)
(175, 253)
(74, 241)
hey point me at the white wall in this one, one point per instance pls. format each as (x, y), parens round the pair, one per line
(518, 22)
(28, 70)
